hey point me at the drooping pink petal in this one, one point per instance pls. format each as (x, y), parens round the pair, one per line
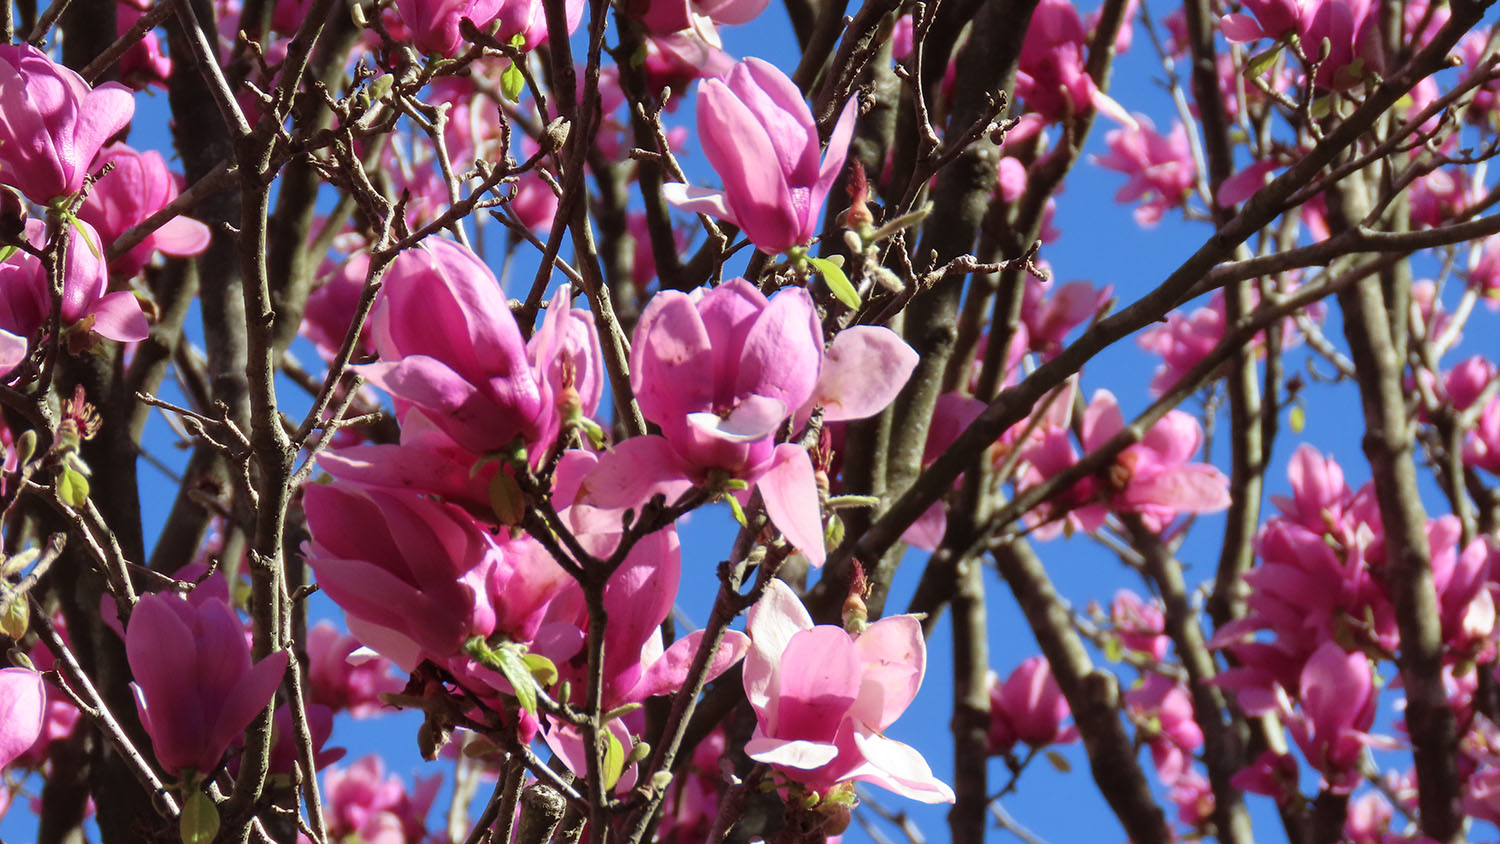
(670, 671)
(790, 492)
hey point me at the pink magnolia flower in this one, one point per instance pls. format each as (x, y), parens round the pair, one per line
(144, 64)
(410, 573)
(1485, 277)
(1194, 797)
(139, 185)
(759, 136)
(1164, 710)
(433, 25)
(1266, 19)
(1369, 818)
(823, 698)
(638, 666)
(1140, 625)
(336, 678)
(1050, 77)
(720, 372)
(449, 345)
(1337, 696)
(1161, 169)
(26, 300)
(1482, 446)
(1051, 310)
(1319, 495)
(1349, 27)
(23, 702)
(52, 123)
(1156, 478)
(195, 688)
(1028, 707)
(362, 801)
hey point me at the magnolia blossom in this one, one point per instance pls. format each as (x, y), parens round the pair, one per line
(411, 573)
(195, 688)
(26, 299)
(1155, 478)
(52, 123)
(362, 801)
(22, 707)
(759, 135)
(1161, 169)
(721, 371)
(449, 345)
(138, 186)
(1050, 76)
(340, 680)
(824, 698)
(1028, 707)
(1337, 694)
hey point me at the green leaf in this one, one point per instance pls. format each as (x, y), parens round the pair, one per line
(1297, 419)
(510, 663)
(1321, 107)
(1059, 761)
(1114, 649)
(506, 500)
(1261, 62)
(72, 488)
(838, 283)
(15, 613)
(6, 252)
(737, 510)
(199, 822)
(614, 759)
(542, 669)
(512, 83)
(77, 225)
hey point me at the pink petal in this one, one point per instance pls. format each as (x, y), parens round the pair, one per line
(755, 418)
(118, 316)
(714, 203)
(863, 370)
(790, 492)
(893, 653)
(23, 706)
(181, 236)
(1191, 488)
(802, 755)
(1240, 28)
(772, 622)
(899, 768)
(12, 351)
(670, 671)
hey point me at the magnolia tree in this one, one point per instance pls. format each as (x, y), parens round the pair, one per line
(843, 330)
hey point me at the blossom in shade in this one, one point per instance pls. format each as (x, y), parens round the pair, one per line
(410, 573)
(196, 688)
(363, 801)
(25, 293)
(340, 679)
(138, 185)
(759, 136)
